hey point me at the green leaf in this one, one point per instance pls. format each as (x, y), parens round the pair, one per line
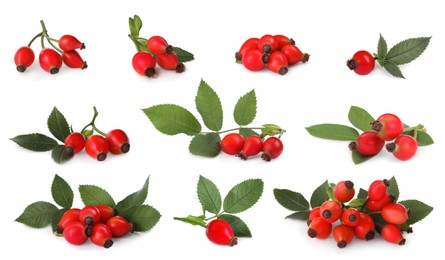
(61, 155)
(194, 220)
(172, 119)
(246, 132)
(137, 24)
(360, 118)
(330, 192)
(393, 188)
(302, 215)
(38, 214)
(56, 219)
(382, 48)
(58, 126)
(419, 210)
(145, 217)
(183, 55)
(209, 195)
(205, 145)
(209, 106)
(271, 129)
(62, 192)
(93, 195)
(243, 196)
(135, 198)
(423, 138)
(35, 142)
(362, 194)
(357, 203)
(407, 50)
(320, 195)
(291, 200)
(358, 158)
(333, 132)
(142, 43)
(393, 69)
(245, 109)
(240, 229)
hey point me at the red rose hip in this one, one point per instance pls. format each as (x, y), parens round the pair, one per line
(361, 63)
(267, 44)
(158, 45)
(331, 211)
(69, 43)
(119, 226)
(343, 235)
(73, 60)
(403, 148)
(101, 235)
(392, 234)
(319, 228)
(144, 64)
(231, 144)
(50, 60)
(254, 60)
(272, 148)
(388, 127)
(368, 143)
(344, 191)
(106, 212)
(294, 55)
(89, 215)
(278, 63)
(395, 213)
(97, 147)
(250, 44)
(170, 62)
(70, 216)
(252, 146)
(23, 58)
(118, 141)
(76, 233)
(75, 142)
(220, 232)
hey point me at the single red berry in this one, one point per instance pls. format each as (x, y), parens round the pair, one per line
(278, 63)
(220, 232)
(283, 41)
(101, 235)
(231, 144)
(50, 60)
(170, 62)
(403, 148)
(106, 212)
(119, 226)
(315, 213)
(250, 44)
(377, 205)
(70, 43)
(97, 147)
(294, 55)
(392, 234)
(76, 233)
(70, 216)
(89, 215)
(388, 127)
(267, 44)
(365, 228)
(254, 60)
(252, 146)
(73, 60)
(343, 235)
(23, 58)
(118, 141)
(350, 217)
(158, 45)
(331, 211)
(368, 143)
(378, 189)
(344, 191)
(144, 64)
(362, 63)
(319, 228)
(74, 142)
(272, 148)
(395, 213)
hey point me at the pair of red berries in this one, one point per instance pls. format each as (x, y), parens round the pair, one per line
(278, 52)
(387, 127)
(116, 142)
(99, 223)
(161, 53)
(234, 144)
(220, 232)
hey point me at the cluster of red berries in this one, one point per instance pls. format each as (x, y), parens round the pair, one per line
(50, 59)
(277, 52)
(354, 222)
(387, 127)
(234, 144)
(100, 223)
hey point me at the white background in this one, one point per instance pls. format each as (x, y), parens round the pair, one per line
(319, 91)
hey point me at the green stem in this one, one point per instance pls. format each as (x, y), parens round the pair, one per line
(419, 127)
(215, 216)
(53, 40)
(92, 123)
(45, 33)
(33, 39)
(42, 44)
(136, 44)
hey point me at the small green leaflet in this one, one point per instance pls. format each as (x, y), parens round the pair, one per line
(333, 132)
(240, 229)
(291, 200)
(134, 199)
(419, 210)
(35, 142)
(362, 194)
(194, 220)
(358, 158)
(245, 109)
(38, 214)
(57, 125)
(243, 196)
(360, 118)
(62, 192)
(93, 195)
(301, 215)
(209, 195)
(423, 138)
(205, 145)
(209, 106)
(135, 25)
(393, 188)
(407, 50)
(183, 55)
(320, 195)
(246, 132)
(393, 69)
(60, 154)
(357, 203)
(145, 217)
(382, 48)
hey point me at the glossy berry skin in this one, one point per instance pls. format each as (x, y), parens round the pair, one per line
(118, 141)
(170, 62)
(220, 232)
(343, 235)
(106, 212)
(365, 229)
(231, 144)
(315, 213)
(70, 216)
(378, 189)
(89, 215)
(362, 63)
(119, 226)
(23, 58)
(377, 205)
(70, 43)
(294, 55)
(283, 41)
(368, 143)
(101, 235)
(159, 45)
(388, 127)
(392, 234)
(272, 148)
(350, 217)
(252, 146)
(278, 63)
(76, 233)
(97, 147)
(267, 44)
(144, 64)
(73, 60)
(319, 228)
(249, 44)
(75, 142)
(50, 60)
(395, 213)
(254, 60)
(344, 191)
(331, 211)
(403, 148)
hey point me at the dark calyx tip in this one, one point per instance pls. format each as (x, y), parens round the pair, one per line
(59, 230)
(327, 214)
(82, 46)
(125, 147)
(392, 198)
(88, 231)
(54, 70)
(312, 233)
(265, 58)
(352, 146)
(233, 241)
(69, 151)
(349, 184)
(115, 212)
(238, 57)
(180, 67)
(386, 182)
(341, 244)
(169, 49)
(108, 243)
(134, 227)
(410, 230)
(21, 68)
(352, 218)
(242, 156)
(370, 235)
(266, 48)
(101, 157)
(291, 41)
(266, 157)
(390, 147)
(305, 57)
(402, 242)
(89, 221)
(376, 126)
(218, 146)
(282, 71)
(308, 222)
(150, 72)
(352, 64)
(85, 65)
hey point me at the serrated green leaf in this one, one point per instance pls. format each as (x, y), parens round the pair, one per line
(93, 195)
(419, 210)
(362, 194)
(205, 145)
(246, 132)
(393, 188)
(330, 192)
(243, 196)
(134, 199)
(358, 158)
(145, 217)
(301, 215)
(209, 106)
(194, 220)
(57, 125)
(378, 221)
(183, 55)
(56, 219)
(320, 195)
(245, 109)
(357, 203)
(407, 50)
(172, 119)
(382, 47)
(291, 200)
(137, 24)
(393, 69)
(38, 214)
(423, 138)
(239, 227)
(132, 27)
(209, 195)
(62, 192)
(360, 118)
(35, 142)
(61, 155)
(333, 132)
(142, 46)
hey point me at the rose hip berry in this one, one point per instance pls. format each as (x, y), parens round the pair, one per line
(378, 189)
(278, 63)
(368, 143)
(331, 211)
(250, 44)
(315, 213)
(158, 45)
(70, 43)
(119, 226)
(106, 212)
(254, 60)
(272, 148)
(350, 217)
(118, 141)
(252, 146)
(170, 62)
(267, 44)
(388, 127)
(376, 205)
(101, 235)
(23, 58)
(231, 144)
(97, 147)
(294, 55)
(403, 148)
(365, 228)
(395, 213)
(319, 228)
(89, 215)
(344, 191)
(144, 64)
(362, 63)
(70, 216)
(74, 142)
(343, 235)
(50, 60)
(73, 60)
(392, 234)
(283, 41)
(76, 233)
(220, 232)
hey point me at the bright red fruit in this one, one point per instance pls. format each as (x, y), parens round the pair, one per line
(106, 212)
(267, 44)
(392, 234)
(250, 44)
(170, 62)
(76, 233)
(278, 63)
(89, 215)
(344, 191)
(159, 45)
(315, 213)
(101, 235)
(294, 55)
(388, 127)
(144, 64)
(362, 63)
(283, 41)
(252, 146)
(23, 58)
(350, 217)
(378, 189)
(365, 228)
(69, 43)
(319, 228)
(97, 147)
(403, 148)
(231, 144)
(272, 148)
(368, 143)
(73, 60)
(119, 226)
(50, 60)
(118, 141)
(70, 216)
(220, 232)
(376, 205)
(74, 142)
(343, 235)
(395, 213)
(254, 60)
(331, 211)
